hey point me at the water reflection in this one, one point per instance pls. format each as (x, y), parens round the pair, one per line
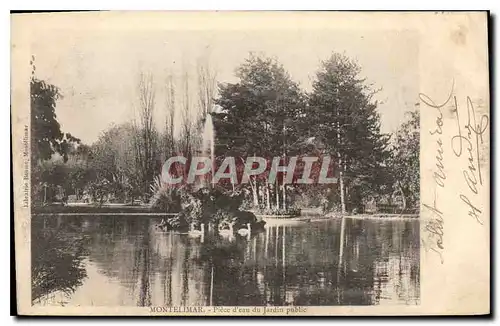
(129, 262)
(58, 250)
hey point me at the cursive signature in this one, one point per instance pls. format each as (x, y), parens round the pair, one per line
(439, 175)
(434, 226)
(435, 230)
(470, 141)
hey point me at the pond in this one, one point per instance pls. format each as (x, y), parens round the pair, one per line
(127, 261)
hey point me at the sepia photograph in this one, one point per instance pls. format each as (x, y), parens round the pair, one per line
(221, 170)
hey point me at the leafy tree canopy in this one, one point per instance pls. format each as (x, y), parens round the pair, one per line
(46, 135)
(259, 113)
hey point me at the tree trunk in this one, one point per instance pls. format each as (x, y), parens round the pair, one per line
(341, 173)
(284, 195)
(262, 194)
(342, 195)
(255, 194)
(402, 194)
(268, 199)
(277, 187)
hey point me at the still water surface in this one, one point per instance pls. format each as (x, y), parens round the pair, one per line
(127, 261)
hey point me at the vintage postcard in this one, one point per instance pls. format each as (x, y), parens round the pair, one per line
(251, 163)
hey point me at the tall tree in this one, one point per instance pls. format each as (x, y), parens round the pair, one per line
(187, 127)
(206, 85)
(46, 135)
(146, 135)
(406, 162)
(259, 114)
(170, 116)
(346, 121)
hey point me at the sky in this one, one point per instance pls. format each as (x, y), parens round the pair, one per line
(97, 70)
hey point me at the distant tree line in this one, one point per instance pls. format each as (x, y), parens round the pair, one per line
(265, 113)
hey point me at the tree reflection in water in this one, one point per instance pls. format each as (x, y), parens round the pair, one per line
(285, 265)
(57, 253)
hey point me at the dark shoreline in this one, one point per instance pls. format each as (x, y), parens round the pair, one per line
(146, 211)
(55, 209)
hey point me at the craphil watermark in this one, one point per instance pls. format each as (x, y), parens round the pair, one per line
(237, 170)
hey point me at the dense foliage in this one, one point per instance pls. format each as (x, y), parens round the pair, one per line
(264, 113)
(347, 123)
(405, 163)
(46, 135)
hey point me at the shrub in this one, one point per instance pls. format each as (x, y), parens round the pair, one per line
(244, 217)
(178, 222)
(167, 200)
(293, 211)
(191, 207)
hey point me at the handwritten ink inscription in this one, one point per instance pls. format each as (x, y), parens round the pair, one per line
(435, 231)
(470, 141)
(466, 142)
(434, 226)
